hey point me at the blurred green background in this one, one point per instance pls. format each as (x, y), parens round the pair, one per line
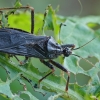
(67, 8)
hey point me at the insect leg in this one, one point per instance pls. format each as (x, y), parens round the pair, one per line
(48, 65)
(63, 69)
(25, 60)
(21, 62)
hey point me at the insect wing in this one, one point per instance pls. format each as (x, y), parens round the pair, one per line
(10, 41)
(15, 41)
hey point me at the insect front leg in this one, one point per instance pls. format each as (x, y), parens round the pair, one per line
(48, 65)
(63, 69)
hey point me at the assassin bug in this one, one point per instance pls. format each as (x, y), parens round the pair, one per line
(18, 42)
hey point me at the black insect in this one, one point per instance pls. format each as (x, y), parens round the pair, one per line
(18, 42)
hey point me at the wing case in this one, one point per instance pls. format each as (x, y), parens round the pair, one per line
(18, 42)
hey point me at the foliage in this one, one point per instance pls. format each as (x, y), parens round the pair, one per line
(74, 30)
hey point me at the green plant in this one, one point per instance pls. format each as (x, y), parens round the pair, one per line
(78, 31)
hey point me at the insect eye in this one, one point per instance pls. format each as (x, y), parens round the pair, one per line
(67, 52)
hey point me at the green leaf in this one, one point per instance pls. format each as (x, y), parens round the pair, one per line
(79, 34)
(23, 21)
(5, 89)
(29, 94)
(51, 22)
(77, 31)
(17, 4)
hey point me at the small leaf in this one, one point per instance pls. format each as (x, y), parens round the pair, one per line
(29, 94)
(5, 89)
(17, 4)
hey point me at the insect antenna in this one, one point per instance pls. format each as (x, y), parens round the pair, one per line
(84, 59)
(84, 44)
